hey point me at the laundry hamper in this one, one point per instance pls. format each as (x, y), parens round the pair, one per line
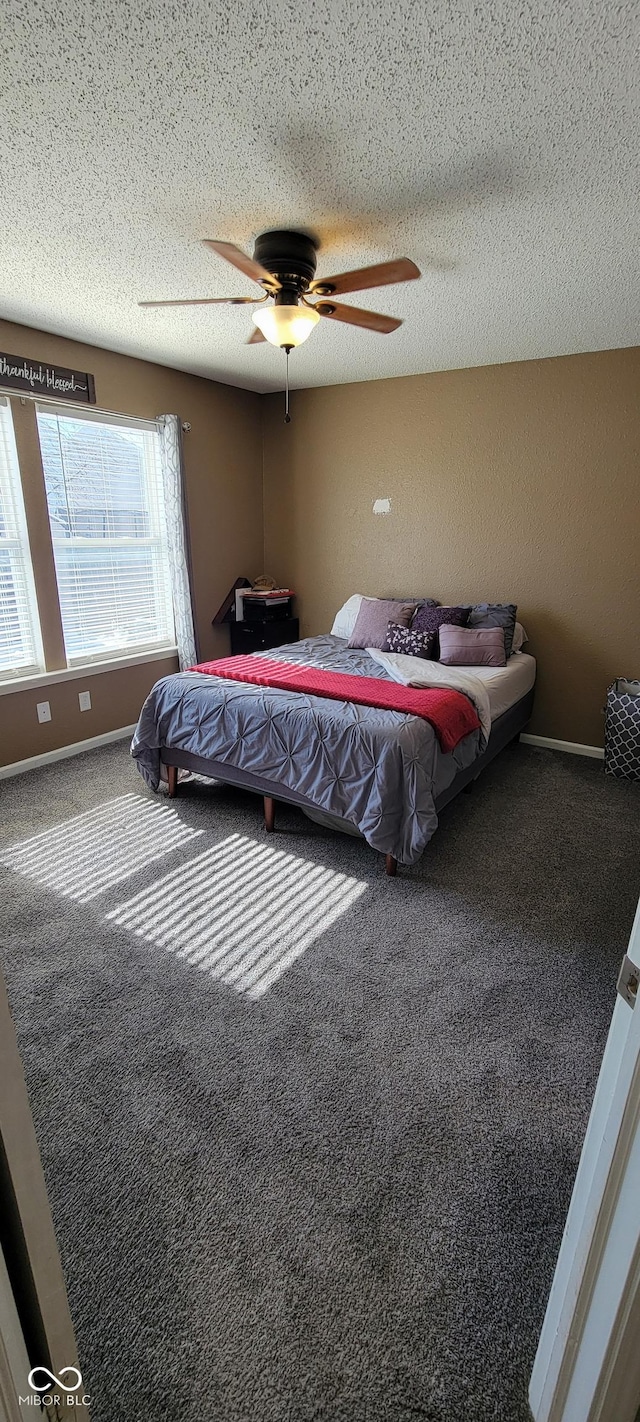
(622, 730)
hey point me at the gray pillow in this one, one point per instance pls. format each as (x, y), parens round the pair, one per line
(417, 601)
(373, 620)
(496, 614)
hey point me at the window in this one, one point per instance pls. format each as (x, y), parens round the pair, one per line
(20, 645)
(108, 527)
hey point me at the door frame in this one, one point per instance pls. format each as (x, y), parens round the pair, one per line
(586, 1369)
(38, 1267)
(14, 1362)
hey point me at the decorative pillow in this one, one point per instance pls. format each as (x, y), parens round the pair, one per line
(407, 642)
(373, 619)
(472, 646)
(345, 620)
(496, 614)
(429, 619)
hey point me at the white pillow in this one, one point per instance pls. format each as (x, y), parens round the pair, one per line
(345, 620)
(519, 638)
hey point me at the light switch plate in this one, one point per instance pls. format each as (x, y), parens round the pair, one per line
(84, 698)
(44, 711)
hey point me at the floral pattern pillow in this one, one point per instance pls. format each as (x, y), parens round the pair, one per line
(408, 643)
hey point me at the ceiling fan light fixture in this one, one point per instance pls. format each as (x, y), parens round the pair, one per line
(286, 325)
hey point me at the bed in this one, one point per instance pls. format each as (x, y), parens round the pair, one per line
(375, 772)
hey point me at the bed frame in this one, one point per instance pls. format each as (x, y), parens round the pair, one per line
(505, 728)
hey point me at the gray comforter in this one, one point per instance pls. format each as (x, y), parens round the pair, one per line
(378, 770)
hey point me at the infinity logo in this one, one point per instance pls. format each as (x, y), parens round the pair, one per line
(51, 1378)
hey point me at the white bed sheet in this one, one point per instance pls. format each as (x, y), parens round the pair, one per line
(491, 689)
(506, 685)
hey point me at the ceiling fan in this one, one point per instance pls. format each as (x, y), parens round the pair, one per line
(284, 265)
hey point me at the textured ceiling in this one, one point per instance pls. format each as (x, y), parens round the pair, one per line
(495, 143)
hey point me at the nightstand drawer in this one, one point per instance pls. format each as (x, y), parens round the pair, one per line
(249, 637)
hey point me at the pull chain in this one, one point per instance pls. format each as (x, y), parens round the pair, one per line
(287, 416)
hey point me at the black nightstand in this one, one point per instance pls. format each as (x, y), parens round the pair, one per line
(255, 636)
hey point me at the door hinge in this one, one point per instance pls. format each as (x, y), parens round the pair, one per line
(628, 978)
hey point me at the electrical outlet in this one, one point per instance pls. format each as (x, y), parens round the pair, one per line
(84, 698)
(44, 711)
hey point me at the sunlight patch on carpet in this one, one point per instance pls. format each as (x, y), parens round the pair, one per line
(242, 911)
(87, 854)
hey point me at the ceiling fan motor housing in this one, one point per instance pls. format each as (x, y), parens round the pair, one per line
(291, 256)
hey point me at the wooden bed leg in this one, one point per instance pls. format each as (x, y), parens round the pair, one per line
(391, 865)
(172, 780)
(269, 813)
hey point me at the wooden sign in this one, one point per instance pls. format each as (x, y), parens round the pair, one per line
(33, 377)
(227, 609)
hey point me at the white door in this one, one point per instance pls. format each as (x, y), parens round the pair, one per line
(587, 1367)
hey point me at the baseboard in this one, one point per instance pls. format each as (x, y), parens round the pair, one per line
(64, 752)
(571, 747)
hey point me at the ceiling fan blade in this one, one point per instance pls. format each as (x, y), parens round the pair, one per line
(207, 301)
(355, 316)
(245, 264)
(384, 274)
(255, 338)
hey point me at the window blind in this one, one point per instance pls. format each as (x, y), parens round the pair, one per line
(103, 480)
(20, 645)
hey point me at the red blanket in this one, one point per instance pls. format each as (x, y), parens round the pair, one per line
(451, 714)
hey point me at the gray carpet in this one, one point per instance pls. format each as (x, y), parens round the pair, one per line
(324, 1185)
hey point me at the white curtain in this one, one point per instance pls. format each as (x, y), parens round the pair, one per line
(170, 427)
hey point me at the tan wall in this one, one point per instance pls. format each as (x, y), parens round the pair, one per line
(508, 483)
(116, 698)
(223, 465)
